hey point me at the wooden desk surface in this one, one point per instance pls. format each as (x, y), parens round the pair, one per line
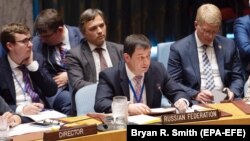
(103, 136)
(238, 118)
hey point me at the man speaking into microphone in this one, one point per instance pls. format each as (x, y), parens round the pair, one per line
(143, 82)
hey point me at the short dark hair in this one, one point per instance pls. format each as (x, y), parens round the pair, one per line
(8, 32)
(48, 19)
(89, 15)
(133, 40)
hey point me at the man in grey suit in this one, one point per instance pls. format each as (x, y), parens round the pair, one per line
(187, 57)
(85, 62)
(122, 80)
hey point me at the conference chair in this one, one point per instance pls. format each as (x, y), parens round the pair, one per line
(163, 50)
(85, 99)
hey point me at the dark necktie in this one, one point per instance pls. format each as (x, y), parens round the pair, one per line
(62, 54)
(28, 85)
(103, 62)
(207, 70)
(138, 88)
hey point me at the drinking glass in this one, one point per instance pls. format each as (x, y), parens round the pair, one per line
(120, 111)
(4, 129)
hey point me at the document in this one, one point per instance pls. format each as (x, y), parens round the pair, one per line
(47, 114)
(218, 96)
(156, 111)
(143, 119)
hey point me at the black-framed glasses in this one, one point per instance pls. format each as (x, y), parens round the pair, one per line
(25, 41)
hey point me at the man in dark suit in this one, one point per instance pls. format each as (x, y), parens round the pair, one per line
(85, 62)
(186, 60)
(6, 112)
(242, 40)
(53, 41)
(120, 80)
(25, 81)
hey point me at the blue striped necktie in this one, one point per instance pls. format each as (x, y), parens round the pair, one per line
(28, 85)
(207, 69)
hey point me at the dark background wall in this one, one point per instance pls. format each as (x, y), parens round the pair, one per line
(160, 20)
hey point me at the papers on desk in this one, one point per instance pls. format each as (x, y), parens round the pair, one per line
(47, 114)
(143, 119)
(30, 128)
(162, 110)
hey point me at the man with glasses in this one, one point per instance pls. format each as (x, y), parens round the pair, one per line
(204, 62)
(24, 80)
(54, 39)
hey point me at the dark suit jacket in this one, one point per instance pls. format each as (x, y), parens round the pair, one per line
(183, 64)
(114, 82)
(242, 40)
(4, 107)
(42, 82)
(48, 52)
(81, 66)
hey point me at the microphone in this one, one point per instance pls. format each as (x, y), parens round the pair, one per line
(159, 88)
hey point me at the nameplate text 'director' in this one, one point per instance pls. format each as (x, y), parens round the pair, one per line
(72, 132)
(190, 117)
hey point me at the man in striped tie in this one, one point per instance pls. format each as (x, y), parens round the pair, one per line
(25, 81)
(205, 63)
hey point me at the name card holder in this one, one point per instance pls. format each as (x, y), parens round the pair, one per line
(190, 117)
(70, 132)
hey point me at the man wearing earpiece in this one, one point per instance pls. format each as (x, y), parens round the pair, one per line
(138, 78)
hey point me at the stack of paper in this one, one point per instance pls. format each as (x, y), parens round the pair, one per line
(143, 119)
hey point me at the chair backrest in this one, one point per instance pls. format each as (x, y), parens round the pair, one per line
(85, 99)
(163, 50)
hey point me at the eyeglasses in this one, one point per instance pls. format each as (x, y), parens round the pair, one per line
(25, 41)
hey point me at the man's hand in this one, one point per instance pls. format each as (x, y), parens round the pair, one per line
(138, 109)
(28, 60)
(61, 79)
(12, 119)
(205, 96)
(32, 108)
(229, 93)
(181, 105)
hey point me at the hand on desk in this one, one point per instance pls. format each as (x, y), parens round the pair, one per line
(12, 119)
(181, 105)
(138, 109)
(32, 108)
(205, 96)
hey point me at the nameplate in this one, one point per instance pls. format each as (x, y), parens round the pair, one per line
(190, 117)
(70, 132)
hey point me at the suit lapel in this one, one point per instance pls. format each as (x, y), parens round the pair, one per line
(9, 77)
(89, 57)
(194, 59)
(219, 57)
(149, 87)
(124, 80)
(112, 53)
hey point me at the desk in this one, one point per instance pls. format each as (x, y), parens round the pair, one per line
(103, 136)
(238, 117)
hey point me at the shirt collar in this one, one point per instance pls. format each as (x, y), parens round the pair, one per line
(130, 74)
(92, 46)
(13, 65)
(199, 43)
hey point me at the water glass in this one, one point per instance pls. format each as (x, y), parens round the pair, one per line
(4, 129)
(120, 111)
